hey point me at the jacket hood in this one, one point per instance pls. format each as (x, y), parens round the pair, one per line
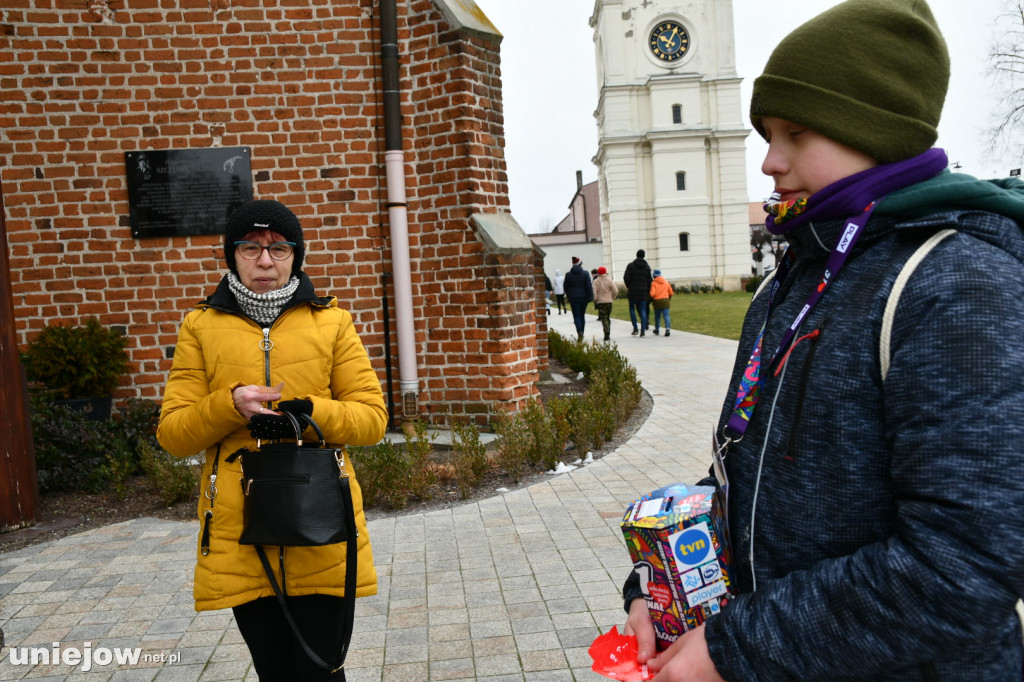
(935, 202)
(558, 273)
(957, 192)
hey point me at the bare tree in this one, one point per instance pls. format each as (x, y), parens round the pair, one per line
(1006, 66)
(759, 236)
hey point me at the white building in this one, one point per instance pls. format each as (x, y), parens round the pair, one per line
(578, 234)
(671, 130)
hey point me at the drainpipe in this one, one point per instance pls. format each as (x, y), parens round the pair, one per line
(394, 164)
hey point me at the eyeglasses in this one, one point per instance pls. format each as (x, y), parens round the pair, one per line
(253, 251)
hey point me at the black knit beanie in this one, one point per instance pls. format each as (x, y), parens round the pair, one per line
(870, 74)
(264, 214)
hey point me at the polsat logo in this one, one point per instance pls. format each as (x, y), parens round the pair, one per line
(692, 546)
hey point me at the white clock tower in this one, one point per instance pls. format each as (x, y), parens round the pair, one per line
(671, 130)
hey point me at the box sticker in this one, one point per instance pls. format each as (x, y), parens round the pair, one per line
(711, 572)
(650, 508)
(705, 593)
(691, 547)
(691, 580)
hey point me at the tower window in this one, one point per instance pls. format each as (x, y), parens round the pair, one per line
(684, 241)
(677, 113)
(680, 181)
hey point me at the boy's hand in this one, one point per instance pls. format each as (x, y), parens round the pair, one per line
(687, 659)
(638, 623)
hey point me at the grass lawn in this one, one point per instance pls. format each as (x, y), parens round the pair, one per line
(718, 314)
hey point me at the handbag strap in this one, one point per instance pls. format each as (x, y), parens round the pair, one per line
(348, 605)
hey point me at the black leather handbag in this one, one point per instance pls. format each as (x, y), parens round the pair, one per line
(298, 495)
(294, 493)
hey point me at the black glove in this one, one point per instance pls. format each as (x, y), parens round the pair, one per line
(298, 407)
(277, 426)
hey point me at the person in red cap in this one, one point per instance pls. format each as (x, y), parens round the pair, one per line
(605, 291)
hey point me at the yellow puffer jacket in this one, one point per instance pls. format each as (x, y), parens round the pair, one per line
(316, 352)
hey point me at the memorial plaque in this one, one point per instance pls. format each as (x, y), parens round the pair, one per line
(186, 191)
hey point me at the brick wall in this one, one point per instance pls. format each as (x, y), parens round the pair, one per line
(297, 81)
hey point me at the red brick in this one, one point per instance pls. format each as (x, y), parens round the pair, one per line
(240, 74)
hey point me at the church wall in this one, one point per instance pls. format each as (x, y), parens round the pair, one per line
(299, 85)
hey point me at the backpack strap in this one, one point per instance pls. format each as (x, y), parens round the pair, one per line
(897, 289)
(765, 282)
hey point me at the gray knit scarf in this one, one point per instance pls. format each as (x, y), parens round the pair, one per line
(264, 308)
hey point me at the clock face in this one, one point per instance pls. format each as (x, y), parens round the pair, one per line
(669, 41)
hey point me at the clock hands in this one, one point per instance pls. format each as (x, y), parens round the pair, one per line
(670, 40)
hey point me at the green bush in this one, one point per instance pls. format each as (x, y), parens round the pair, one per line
(612, 394)
(696, 288)
(558, 410)
(389, 475)
(592, 419)
(573, 353)
(422, 474)
(175, 479)
(71, 450)
(468, 457)
(550, 428)
(753, 283)
(77, 362)
(383, 474)
(77, 454)
(515, 442)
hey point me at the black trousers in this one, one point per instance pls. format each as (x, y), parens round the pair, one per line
(276, 654)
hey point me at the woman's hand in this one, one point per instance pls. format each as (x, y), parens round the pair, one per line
(249, 399)
(687, 659)
(638, 623)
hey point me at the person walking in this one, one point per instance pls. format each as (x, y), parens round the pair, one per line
(560, 291)
(548, 288)
(637, 279)
(870, 453)
(579, 289)
(264, 342)
(661, 299)
(605, 291)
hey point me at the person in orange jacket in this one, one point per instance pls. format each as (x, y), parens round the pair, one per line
(661, 297)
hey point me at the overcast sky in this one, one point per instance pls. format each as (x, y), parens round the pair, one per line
(550, 91)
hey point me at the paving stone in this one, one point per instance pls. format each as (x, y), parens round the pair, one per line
(508, 588)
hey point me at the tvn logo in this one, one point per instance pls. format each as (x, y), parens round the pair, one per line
(691, 547)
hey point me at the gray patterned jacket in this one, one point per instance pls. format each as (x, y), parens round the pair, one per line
(884, 521)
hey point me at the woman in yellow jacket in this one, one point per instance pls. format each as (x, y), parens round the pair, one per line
(261, 337)
(661, 298)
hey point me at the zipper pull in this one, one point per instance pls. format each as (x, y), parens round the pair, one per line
(211, 490)
(266, 344)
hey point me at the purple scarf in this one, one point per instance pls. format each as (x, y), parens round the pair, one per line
(855, 193)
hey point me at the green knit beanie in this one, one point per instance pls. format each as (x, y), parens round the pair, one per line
(871, 74)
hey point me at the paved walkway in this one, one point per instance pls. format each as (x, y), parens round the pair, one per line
(514, 587)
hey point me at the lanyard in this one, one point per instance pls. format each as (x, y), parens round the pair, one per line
(749, 390)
